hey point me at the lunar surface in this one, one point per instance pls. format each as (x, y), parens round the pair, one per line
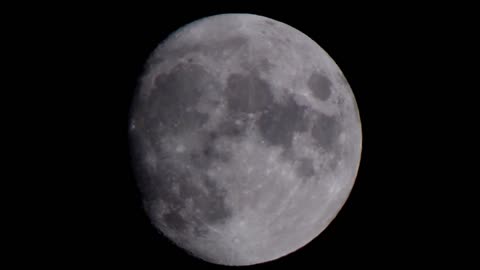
(246, 139)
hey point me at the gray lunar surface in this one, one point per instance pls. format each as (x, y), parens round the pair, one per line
(246, 139)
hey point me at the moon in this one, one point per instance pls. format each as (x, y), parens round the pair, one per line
(246, 139)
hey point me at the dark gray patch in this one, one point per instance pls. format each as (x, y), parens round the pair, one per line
(172, 187)
(278, 124)
(270, 22)
(208, 153)
(265, 65)
(200, 229)
(211, 205)
(231, 129)
(338, 155)
(326, 130)
(174, 93)
(333, 163)
(340, 100)
(232, 44)
(175, 221)
(247, 93)
(320, 86)
(198, 159)
(153, 61)
(223, 47)
(305, 168)
(159, 185)
(206, 47)
(178, 51)
(157, 189)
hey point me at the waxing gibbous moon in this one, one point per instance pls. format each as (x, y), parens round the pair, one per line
(246, 139)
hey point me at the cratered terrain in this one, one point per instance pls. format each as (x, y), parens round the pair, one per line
(246, 139)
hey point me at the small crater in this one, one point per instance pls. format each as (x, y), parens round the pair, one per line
(320, 86)
(305, 168)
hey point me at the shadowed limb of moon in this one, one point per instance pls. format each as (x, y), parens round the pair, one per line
(246, 139)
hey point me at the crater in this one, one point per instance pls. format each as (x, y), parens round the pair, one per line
(320, 86)
(207, 199)
(207, 153)
(175, 221)
(247, 93)
(278, 124)
(158, 185)
(326, 130)
(305, 168)
(212, 205)
(174, 97)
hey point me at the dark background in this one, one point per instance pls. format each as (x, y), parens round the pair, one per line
(395, 58)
